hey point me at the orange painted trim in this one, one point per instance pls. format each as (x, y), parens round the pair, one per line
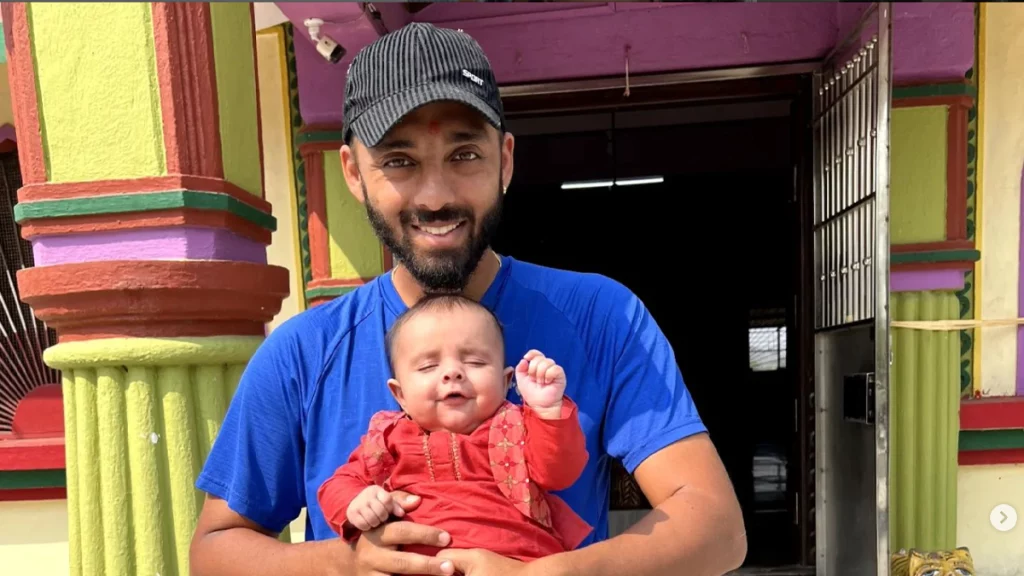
(24, 98)
(68, 190)
(992, 413)
(259, 112)
(338, 282)
(154, 298)
(933, 246)
(32, 454)
(316, 207)
(956, 171)
(142, 220)
(990, 457)
(188, 88)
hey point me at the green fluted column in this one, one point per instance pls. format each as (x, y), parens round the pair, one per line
(924, 423)
(145, 413)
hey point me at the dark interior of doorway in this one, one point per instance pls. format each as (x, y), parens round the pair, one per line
(713, 251)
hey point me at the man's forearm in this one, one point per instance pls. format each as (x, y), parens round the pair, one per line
(244, 552)
(687, 534)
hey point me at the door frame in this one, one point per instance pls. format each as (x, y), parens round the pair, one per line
(747, 84)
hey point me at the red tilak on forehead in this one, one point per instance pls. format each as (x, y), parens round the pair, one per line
(434, 127)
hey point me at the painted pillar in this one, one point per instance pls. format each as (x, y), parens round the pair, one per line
(344, 252)
(139, 139)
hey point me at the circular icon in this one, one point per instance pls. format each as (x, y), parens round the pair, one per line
(1003, 517)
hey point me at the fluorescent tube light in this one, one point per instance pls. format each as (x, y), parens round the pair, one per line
(587, 184)
(639, 181)
(609, 183)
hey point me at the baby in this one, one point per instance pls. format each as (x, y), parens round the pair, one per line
(482, 466)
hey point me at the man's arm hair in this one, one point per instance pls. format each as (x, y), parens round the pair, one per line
(226, 543)
(696, 526)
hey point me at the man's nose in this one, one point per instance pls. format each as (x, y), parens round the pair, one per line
(435, 191)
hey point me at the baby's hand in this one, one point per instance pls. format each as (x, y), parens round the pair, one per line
(541, 383)
(371, 508)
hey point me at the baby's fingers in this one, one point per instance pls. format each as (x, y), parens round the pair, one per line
(358, 520)
(378, 510)
(553, 374)
(529, 356)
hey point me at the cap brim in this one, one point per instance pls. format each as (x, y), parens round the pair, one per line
(371, 126)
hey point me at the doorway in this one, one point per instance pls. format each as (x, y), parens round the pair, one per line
(697, 206)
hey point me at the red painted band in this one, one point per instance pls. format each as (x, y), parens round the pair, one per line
(33, 494)
(188, 88)
(31, 454)
(956, 173)
(991, 457)
(24, 98)
(933, 246)
(154, 298)
(914, 266)
(337, 282)
(259, 113)
(992, 414)
(316, 207)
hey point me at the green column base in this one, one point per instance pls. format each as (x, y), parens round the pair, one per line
(140, 417)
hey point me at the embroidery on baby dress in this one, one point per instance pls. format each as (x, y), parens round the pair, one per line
(378, 460)
(507, 448)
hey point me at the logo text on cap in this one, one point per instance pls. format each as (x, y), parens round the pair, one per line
(478, 80)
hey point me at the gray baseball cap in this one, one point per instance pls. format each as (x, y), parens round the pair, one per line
(416, 65)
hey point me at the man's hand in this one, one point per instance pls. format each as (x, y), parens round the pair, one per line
(376, 551)
(541, 383)
(372, 507)
(483, 563)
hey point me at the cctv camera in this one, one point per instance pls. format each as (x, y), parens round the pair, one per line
(325, 45)
(330, 50)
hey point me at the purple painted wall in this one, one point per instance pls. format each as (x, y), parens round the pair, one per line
(529, 42)
(185, 243)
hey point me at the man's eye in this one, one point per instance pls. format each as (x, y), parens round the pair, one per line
(397, 163)
(466, 156)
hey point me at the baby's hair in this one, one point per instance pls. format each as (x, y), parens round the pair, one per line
(437, 302)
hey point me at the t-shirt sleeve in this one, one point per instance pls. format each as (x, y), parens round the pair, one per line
(256, 462)
(649, 407)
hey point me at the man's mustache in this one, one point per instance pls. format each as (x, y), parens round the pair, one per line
(443, 214)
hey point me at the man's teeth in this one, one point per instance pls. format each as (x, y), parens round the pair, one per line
(440, 231)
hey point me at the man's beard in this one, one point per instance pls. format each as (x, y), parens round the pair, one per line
(440, 271)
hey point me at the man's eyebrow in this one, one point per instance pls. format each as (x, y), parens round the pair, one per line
(464, 136)
(391, 145)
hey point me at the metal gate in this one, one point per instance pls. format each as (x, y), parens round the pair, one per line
(852, 95)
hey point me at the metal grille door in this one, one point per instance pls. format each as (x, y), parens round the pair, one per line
(852, 98)
(850, 107)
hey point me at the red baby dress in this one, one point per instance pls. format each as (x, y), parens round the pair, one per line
(489, 489)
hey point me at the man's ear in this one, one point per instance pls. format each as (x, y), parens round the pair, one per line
(508, 144)
(396, 391)
(509, 372)
(350, 170)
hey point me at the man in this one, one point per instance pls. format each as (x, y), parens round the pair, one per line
(427, 153)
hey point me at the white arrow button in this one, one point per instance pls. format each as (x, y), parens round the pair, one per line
(1003, 517)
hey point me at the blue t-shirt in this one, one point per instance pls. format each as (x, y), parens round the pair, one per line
(308, 393)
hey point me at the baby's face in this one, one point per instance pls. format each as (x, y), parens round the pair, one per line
(448, 369)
